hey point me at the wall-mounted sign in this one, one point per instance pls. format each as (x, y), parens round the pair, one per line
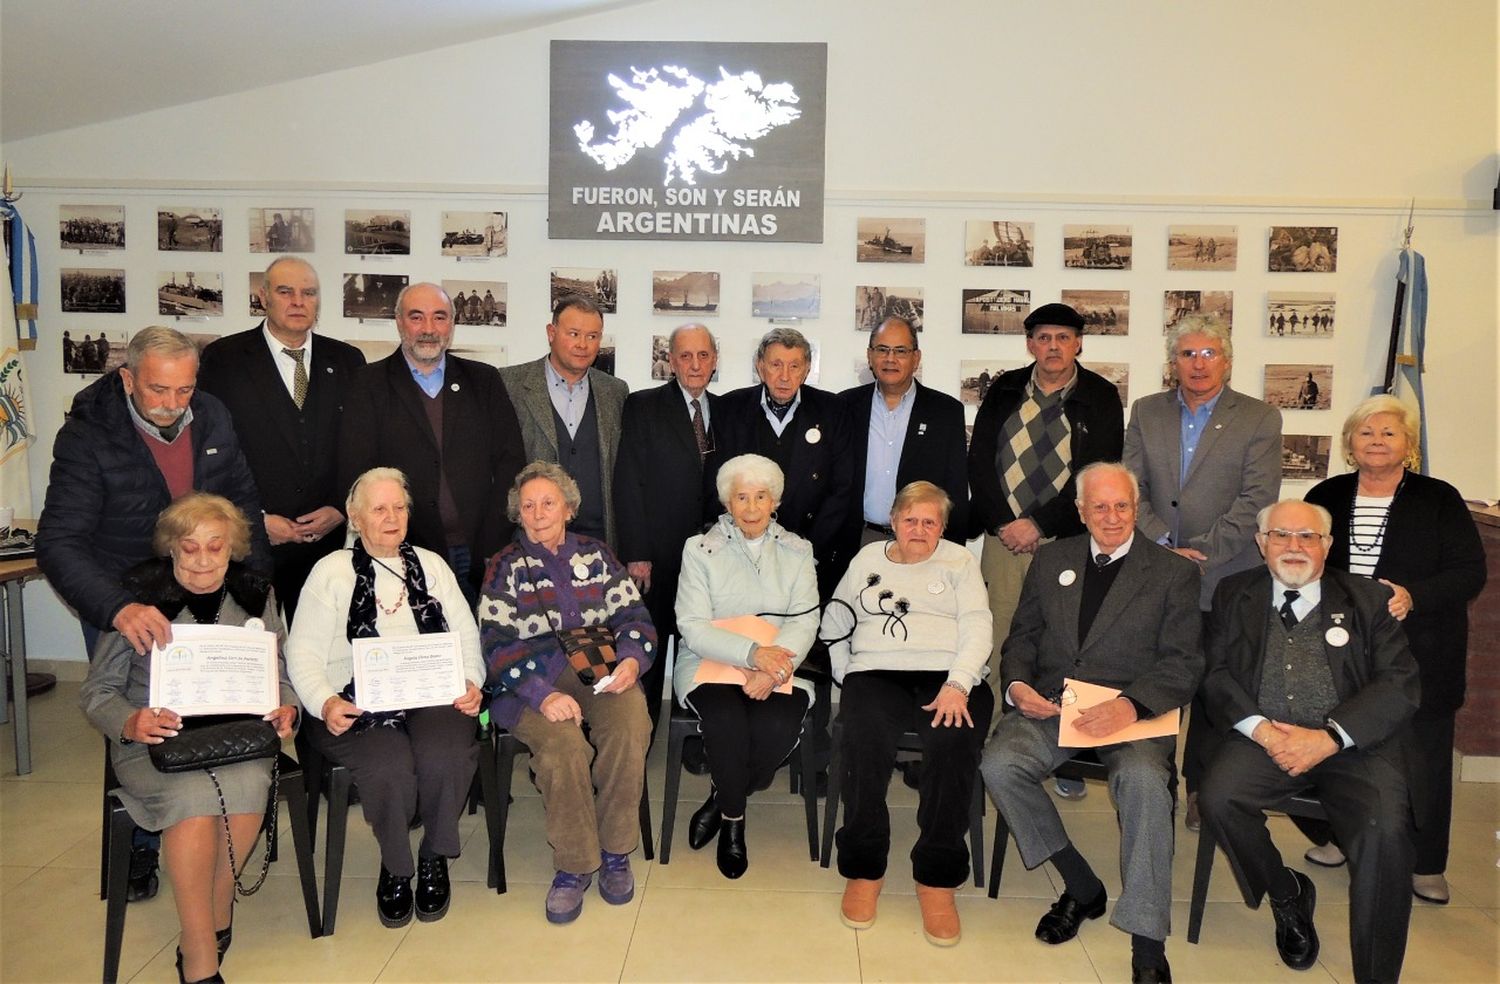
(683, 140)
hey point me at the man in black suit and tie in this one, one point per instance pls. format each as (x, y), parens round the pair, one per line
(1312, 680)
(285, 391)
(900, 432)
(666, 437)
(446, 422)
(804, 430)
(1110, 608)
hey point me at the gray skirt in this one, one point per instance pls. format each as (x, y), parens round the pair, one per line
(157, 800)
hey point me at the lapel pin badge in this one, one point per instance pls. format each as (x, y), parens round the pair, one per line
(813, 435)
(1067, 577)
(921, 429)
(454, 387)
(1337, 636)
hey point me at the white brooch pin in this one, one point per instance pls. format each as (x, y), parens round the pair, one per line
(813, 435)
(1067, 577)
(921, 429)
(1337, 636)
(255, 624)
(580, 571)
(936, 587)
(454, 387)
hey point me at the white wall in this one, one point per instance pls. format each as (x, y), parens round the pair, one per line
(1149, 113)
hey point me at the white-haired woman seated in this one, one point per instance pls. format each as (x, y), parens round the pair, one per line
(749, 707)
(915, 662)
(414, 763)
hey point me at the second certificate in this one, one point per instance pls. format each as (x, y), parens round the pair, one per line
(393, 674)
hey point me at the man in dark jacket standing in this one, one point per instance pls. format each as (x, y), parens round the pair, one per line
(134, 441)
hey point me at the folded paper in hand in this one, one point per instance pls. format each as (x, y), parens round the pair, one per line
(752, 627)
(1079, 696)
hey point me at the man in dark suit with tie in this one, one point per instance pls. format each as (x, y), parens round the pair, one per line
(446, 422)
(1311, 678)
(1114, 609)
(900, 432)
(666, 436)
(285, 391)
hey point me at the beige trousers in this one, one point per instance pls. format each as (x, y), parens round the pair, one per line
(1003, 574)
(569, 767)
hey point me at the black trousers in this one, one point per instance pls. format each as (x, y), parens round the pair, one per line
(877, 707)
(745, 740)
(1366, 799)
(423, 769)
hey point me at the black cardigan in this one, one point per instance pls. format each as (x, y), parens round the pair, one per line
(1433, 550)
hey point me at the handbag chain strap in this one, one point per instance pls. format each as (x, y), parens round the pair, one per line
(265, 863)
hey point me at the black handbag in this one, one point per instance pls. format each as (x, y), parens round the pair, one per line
(213, 740)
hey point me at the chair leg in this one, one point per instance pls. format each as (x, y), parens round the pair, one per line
(333, 861)
(295, 796)
(676, 738)
(118, 873)
(505, 769)
(646, 832)
(807, 778)
(976, 832)
(312, 780)
(489, 791)
(1203, 869)
(831, 808)
(997, 855)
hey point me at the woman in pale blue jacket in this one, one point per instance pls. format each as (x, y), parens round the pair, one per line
(749, 706)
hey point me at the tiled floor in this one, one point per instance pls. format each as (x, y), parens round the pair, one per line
(687, 923)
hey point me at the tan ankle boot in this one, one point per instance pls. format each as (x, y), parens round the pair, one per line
(860, 896)
(939, 915)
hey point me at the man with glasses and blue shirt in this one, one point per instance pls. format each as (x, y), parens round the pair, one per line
(1208, 459)
(1311, 679)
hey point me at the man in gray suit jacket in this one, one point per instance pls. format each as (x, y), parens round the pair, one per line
(1208, 459)
(570, 412)
(1115, 609)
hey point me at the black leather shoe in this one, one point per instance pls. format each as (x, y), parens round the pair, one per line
(393, 900)
(143, 882)
(217, 977)
(223, 938)
(705, 823)
(433, 895)
(733, 860)
(1296, 939)
(1151, 975)
(1061, 922)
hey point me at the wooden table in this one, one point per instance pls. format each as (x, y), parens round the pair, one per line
(13, 577)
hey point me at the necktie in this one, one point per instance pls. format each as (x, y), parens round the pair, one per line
(1289, 617)
(699, 433)
(1101, 561)
(299, 376)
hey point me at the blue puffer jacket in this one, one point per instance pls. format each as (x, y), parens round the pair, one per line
(105, 492)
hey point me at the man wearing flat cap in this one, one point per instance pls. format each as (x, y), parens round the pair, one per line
(1037, 427)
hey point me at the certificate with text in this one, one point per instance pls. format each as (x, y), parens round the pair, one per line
(216, 669)
(397, 674)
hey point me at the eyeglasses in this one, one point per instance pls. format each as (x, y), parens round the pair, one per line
(1206, 354)
(1304, 538)
(899, 351)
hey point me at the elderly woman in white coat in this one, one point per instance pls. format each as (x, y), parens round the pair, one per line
(749, 706)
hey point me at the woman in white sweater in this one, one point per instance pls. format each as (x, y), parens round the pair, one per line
(411, 763)
(914, 661)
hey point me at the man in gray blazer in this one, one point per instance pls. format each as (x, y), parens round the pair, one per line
(1208, 459)
(1110, 608)
(570, 412)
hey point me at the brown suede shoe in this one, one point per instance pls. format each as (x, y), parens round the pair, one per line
(860, 896)
(939, 915)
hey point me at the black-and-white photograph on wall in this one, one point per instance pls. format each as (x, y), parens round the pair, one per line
(1299, 314)
(1303, 249)
(93, 353)
(90, 291)
(600, 285)
(377, 232)
(606, 360)
(372, 295)
(190, 230)
(872, 305)
(1215, 305)
(1117, 373)
(190, 294)
(281, 230)
(690, 293)
(999, 243)
(1097, 247)
(476, 234)
(997, 311)
(1202, 247)
(257, 280)
(975, 376)
(478, 302)
(785, 295)
(891, 240)
(1104, 312)
(1299, 387)
(91, 227)
(1304, 457)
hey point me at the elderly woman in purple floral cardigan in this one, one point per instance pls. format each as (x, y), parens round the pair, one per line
(547, 582)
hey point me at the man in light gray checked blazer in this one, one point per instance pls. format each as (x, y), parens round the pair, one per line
(1115, 609)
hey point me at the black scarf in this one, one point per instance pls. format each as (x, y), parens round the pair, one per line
(151, 582)
(426, 609)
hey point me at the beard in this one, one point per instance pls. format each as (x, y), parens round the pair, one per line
(1295, 575)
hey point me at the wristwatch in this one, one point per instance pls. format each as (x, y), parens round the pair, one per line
(1338, 739)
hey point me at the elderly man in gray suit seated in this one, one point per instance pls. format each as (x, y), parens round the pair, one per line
(1115, 609)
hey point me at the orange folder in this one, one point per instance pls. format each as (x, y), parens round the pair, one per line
(752, 627)
(1087, 695)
